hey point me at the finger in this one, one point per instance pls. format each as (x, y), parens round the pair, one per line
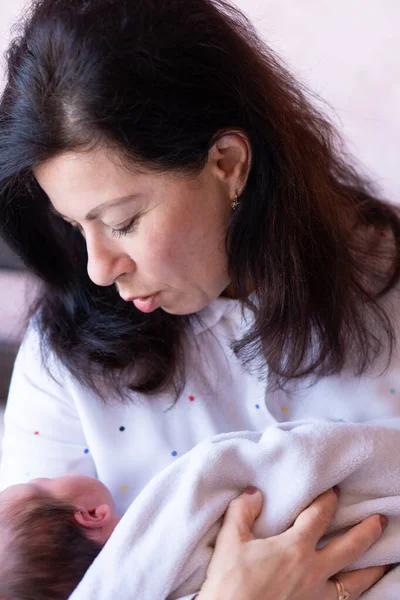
(346, 549)
(358, 582)
(240, 516)
(331, 592)
(313, 522)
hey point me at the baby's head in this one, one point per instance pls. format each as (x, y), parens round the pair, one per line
(51, 531)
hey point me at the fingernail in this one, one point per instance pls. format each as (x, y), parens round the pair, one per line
(336, 489)
(384, 522)
(250, 490)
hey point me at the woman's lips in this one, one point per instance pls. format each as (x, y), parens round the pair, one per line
(147, 304)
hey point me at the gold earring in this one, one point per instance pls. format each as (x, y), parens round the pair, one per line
(235, 203)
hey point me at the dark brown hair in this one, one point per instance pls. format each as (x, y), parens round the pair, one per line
(46, 552)
(158, 81)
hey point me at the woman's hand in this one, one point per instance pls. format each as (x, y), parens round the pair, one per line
(288, 566)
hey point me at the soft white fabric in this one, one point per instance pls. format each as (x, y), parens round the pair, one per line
(163, 544)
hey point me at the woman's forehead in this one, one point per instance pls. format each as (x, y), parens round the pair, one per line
(79, 185)
(78, 171)
(89, 180)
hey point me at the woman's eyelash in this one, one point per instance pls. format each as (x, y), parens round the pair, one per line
(115, 232)
(125, 230)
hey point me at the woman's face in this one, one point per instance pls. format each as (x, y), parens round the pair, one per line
(160, 238)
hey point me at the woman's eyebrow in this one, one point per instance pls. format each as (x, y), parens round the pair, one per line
(96, 212)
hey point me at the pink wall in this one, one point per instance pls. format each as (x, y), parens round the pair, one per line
(348, 51)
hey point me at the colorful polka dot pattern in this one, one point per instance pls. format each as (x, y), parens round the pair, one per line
(174, 453)
(122, 428)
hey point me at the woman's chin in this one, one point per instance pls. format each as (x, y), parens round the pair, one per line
(185, 306)
(180, 310)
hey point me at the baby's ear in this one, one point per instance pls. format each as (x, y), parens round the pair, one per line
(95, 518)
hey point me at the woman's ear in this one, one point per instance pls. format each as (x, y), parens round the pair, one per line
(94, 518)
(231, 157)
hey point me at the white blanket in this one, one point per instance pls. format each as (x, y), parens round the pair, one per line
(161, 548)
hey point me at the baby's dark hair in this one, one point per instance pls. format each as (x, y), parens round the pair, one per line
(45, 551)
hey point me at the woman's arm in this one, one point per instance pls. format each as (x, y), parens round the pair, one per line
(288, 566)
(43, 433)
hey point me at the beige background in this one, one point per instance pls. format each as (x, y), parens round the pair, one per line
(348, 51)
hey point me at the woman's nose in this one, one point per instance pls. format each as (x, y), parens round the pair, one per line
(106, 261)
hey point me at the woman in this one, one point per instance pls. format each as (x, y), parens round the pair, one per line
(210, 263)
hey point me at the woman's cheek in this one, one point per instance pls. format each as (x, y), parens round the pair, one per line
(159, 257)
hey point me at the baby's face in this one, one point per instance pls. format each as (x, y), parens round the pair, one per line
(79, 490)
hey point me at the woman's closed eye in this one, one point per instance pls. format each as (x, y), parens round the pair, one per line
(128, 228)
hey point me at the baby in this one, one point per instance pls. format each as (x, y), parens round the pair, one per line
(52, 530)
